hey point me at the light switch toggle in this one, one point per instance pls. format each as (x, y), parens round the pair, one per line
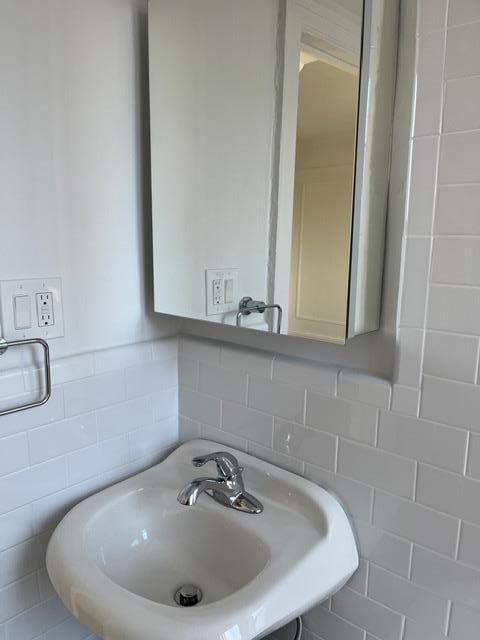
(22, 312)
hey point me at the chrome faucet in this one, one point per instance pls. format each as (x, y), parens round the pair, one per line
(227, 489)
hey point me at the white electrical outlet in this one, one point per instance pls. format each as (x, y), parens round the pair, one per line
(31, 308)
(45, 317)
(221, 290)
(217, 292)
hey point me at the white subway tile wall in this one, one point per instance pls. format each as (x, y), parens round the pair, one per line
(404, 483)
(405, 461)
(112, 414)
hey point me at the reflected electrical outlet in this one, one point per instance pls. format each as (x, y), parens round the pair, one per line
(221, 290)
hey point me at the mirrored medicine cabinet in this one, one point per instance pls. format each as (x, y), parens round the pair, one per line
(271, 125)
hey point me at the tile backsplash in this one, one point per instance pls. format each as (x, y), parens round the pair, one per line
(112, 414)
(411, 484)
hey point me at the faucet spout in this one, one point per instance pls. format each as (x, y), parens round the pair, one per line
(188, 496)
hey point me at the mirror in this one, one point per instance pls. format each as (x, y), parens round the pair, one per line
(270, 145)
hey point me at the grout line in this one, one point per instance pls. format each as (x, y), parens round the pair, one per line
(460, 25)
(454, 132)
(304, 409)
(419, 398)
(410, 561)
(477, 364)
(453, 381)
(337, 451)
(471, 183)
(448, 617)
(340, 617)
(447, 13)
(415, 482)
(467, 452)
(457, 542)
(337, 383)
(450, 236)
(460, 285)
(426, 136)
(367, 576)
(393, 454)
(29, 609)
(447, 333)
(220, 425)
(473, 76)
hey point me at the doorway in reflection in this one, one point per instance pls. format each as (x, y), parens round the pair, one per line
(323, 196)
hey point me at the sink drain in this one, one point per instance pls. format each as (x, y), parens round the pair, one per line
(188, 595)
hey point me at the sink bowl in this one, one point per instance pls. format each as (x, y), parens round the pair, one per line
(118, 558)
(165, 548)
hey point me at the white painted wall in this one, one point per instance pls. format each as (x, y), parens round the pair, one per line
(74, 202)
(212, 113)
(74, 187)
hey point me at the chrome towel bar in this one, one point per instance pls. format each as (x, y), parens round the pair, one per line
(4, 345)
(247, 306)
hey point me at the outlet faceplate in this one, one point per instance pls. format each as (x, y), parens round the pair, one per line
(43, 297)
(221, 290)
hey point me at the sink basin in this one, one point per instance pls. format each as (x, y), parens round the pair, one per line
(165, 549)
(118, 558)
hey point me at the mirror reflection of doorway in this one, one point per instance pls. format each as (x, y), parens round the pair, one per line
(323, 197)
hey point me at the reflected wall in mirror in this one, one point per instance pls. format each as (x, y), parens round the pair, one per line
(270, 138)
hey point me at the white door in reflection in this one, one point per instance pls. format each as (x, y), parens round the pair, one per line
(323, 198)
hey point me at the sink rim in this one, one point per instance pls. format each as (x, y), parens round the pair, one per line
(93, 597)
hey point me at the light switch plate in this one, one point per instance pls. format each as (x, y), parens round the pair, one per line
(221, 285)
(10, 289)
(22, 312)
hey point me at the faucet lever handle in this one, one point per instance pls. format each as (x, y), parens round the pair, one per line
(227, 464)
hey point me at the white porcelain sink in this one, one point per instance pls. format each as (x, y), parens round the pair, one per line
(117, 559)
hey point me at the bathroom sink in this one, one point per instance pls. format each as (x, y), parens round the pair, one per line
(118, 558)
